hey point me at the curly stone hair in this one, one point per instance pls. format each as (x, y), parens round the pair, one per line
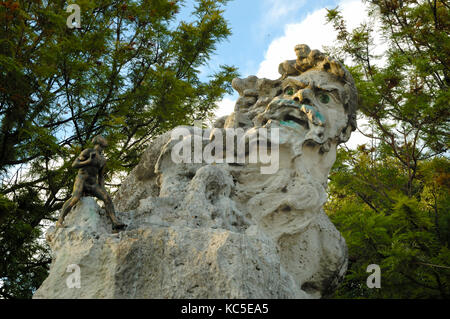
(308, 59)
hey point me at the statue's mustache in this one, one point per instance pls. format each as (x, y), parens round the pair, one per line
(313, 114)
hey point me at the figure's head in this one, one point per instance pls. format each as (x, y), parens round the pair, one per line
(317, 99)
(99, 142)
(314, 60)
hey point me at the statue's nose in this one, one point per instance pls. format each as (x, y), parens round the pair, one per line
(303, 96)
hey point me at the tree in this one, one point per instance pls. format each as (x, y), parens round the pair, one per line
(130, 73)
(391, 199)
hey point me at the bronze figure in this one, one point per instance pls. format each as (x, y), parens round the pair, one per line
(90, 181)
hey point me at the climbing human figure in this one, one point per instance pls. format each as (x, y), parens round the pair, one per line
(90, 181)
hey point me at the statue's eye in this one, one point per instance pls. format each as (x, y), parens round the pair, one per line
(324, 98)
(289, 91)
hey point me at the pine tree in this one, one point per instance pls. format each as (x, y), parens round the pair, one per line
(391, 199)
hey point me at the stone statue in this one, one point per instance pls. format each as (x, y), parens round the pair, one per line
(313, 105)
(90, 181)
(224, 229)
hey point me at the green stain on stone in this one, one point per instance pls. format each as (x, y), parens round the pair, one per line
(317, 117)
(316, 113)
(289, 123)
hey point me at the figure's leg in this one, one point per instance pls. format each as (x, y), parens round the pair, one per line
(76, 195)
(103, 195)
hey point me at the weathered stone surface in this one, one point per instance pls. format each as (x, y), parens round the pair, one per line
(218, 230)
(154, 261)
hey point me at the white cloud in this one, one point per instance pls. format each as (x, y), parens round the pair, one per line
(226, 107)
(312, 31)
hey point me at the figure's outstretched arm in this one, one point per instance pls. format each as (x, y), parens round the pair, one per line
(84, 159)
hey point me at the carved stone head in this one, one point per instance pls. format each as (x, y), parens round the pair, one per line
(312, 77)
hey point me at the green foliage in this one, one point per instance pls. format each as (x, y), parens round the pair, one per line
(391, 200)
(407, 236)
(24, 259)
(131, 72)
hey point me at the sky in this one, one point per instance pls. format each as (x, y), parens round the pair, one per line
(264, 33)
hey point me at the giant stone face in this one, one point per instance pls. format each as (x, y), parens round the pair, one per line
(310, 109)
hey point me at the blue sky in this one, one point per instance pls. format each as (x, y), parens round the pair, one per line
(255, 24)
